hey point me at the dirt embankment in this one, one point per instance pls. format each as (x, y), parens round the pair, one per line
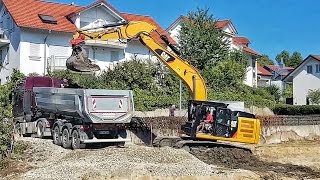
(44, 160)
(240, 159)
(48, 161)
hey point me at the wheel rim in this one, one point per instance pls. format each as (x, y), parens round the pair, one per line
(39, 130)
(56, 134)
(75, 140)
(18, 129)
(65, 137)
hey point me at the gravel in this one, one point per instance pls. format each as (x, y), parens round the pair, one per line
(50, 161)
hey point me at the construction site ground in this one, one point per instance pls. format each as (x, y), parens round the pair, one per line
(44, 160)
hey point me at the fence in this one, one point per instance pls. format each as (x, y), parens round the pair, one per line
(282, 120)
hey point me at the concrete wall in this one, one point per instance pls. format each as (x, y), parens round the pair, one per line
(277, 134)
(233, 105)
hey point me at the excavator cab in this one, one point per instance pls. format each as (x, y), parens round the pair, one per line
(227, 125)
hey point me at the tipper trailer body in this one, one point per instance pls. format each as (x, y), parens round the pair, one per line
(73, 117)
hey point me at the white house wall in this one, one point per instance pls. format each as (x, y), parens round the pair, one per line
(136, 49)
(56, 44)
(10, 59)
(174, 33)
(303, 82)
(88, 18)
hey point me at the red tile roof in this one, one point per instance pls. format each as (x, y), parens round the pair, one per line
(263, 71)
(317, 57)
(250, 51)
(222, 23)
(241, 40)
(148, 19)
(276, 68)
(25, 14)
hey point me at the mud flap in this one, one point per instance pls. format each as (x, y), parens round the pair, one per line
(79, 61)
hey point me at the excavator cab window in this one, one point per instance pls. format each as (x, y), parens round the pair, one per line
(223, 122)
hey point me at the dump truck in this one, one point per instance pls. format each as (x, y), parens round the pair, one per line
(72, 117)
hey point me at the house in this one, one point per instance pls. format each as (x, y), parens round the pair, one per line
(264, 77)
(278, 71)
(235, 43)
(304, 77)
(35, 35)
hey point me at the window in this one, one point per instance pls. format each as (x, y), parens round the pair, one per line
(309, 69)
(84, 24)
(114, 55)
(35, 52)
(48, 19)
(317, 68)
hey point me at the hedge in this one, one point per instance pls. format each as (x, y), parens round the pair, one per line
(296, 109)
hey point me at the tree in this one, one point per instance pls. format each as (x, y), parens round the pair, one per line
(295, 59)
(314, 96)
(229, 73)
(284, 55)
(201, 42)
(264, 60)
(291, 61)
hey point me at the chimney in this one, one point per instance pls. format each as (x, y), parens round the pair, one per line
(282, 65)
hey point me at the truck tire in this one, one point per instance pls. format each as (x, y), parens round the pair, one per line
(66, 143)
(56, 136)
(17, 129)
(40, 129)
(75, 140)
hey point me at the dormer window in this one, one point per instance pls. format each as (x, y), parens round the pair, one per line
(48, 19)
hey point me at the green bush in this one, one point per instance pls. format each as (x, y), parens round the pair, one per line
(296, 110)
(6, 123)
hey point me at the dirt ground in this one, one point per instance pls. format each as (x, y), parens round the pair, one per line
(44, 160)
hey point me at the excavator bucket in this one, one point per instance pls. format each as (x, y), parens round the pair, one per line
(79, 61)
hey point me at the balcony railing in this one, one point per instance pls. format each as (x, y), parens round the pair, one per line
(57, 63)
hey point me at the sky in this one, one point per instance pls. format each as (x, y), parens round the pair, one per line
(271, 25)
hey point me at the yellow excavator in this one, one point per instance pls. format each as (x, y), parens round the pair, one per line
(226, 125)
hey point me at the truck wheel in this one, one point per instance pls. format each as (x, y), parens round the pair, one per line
(75, 140)
(17, 129)
(56, 136)
(66, 143)
(40, 129)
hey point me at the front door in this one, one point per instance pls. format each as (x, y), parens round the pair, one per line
(222, 122)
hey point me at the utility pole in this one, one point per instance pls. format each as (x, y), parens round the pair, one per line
(180, 94)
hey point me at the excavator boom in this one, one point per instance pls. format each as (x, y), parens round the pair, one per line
(228, 126)
(142, 31)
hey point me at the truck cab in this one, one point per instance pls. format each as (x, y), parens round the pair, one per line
(23, 96)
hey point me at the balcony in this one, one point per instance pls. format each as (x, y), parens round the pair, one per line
(110, 43)
(3, 40)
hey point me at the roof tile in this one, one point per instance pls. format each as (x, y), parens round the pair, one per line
(250, 51)
(241, 40)
(263, 71)
(25, 14)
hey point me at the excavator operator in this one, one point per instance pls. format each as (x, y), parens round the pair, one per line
(207, 124)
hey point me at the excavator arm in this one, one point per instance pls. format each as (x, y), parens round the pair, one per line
(142, 31)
